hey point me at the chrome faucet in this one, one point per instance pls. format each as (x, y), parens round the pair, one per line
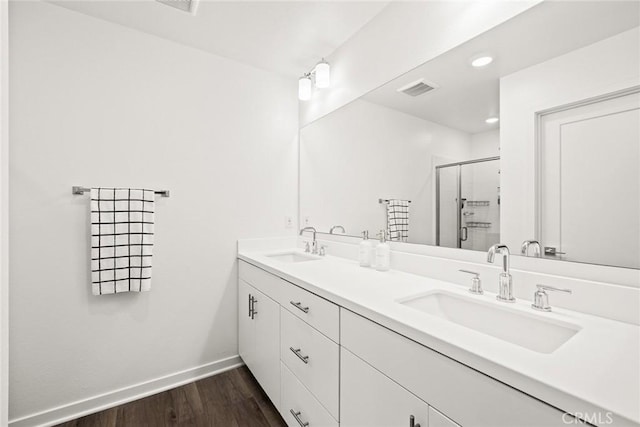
(314, 244)
(505, 284)
(524, 249)
(337, 226)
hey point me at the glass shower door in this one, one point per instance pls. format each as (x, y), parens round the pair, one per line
(480, 213)
(468, 204)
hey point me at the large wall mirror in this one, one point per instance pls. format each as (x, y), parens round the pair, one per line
(529, 132)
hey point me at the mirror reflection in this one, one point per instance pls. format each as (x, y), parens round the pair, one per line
(527, 135)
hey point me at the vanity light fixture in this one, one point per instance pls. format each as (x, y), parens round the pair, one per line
(492, 120)
(481, 61)
(321, 74)
(304, 88)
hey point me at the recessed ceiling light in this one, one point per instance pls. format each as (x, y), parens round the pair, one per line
(482, 61)
(492, 120)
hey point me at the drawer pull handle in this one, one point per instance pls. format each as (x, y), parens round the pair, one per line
(412, 421)
(296, 415)
(253, 307)
(299, 306)
(296, 351)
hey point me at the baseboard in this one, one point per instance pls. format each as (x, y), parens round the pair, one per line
(108, 400)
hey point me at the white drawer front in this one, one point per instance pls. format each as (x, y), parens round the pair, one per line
(266, 283)
(313, 358)
(296, 399)
(318, 312)
(436, 419)
(466, 396)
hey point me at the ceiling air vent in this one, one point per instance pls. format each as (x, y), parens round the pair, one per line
(189, 6)
(417, 88)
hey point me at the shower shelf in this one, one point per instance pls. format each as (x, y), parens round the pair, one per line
(476, 203)
(478, 224)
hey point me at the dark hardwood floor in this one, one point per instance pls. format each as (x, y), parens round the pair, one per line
(230, 399)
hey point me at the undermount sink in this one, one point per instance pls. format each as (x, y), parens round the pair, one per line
(526, 330)
(293, 257)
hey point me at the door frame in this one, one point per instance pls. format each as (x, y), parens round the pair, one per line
(539, 135)
(4, 213)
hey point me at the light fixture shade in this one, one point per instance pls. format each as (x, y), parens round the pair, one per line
(304, 88)
(323, 74)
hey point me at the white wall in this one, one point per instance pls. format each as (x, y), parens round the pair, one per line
(401, 37)
(603, 67)
(363, 152)
(485, 144)
(98, 104)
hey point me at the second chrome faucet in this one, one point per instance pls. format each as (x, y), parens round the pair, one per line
(505, 284)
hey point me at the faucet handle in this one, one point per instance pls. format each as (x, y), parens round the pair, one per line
(541, 298)
(306, 247)
(476, 283)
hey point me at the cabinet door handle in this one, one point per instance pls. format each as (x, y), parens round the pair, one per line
(296, 351)
(412, 421)
(253, 308)
(296, 415)
(299, 306)
(250, 307)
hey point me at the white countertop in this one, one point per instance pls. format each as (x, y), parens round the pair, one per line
(597, 370)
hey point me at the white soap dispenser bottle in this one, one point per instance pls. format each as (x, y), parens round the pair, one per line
(365, 250)
(383, 252)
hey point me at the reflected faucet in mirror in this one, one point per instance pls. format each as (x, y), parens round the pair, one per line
(314, 244)
(524, 250)
(336, 227)
(505, 284)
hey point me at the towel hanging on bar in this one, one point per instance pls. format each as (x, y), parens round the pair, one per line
(121, 240)
(398, 220)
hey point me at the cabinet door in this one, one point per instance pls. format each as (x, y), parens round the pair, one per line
(246, 326)
(369, 398)
(437, 419)
(266, 317)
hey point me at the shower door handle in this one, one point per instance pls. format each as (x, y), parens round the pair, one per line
(464, 234)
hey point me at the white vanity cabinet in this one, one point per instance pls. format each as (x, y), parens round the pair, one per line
(325, 365)
(259, 337)
(369, 398)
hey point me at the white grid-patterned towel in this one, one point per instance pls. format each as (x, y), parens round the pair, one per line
(398, 220)
(121, 240)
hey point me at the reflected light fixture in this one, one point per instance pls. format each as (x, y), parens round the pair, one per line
(321, 74)
(492, 120)
(482, 61)
(304, 88)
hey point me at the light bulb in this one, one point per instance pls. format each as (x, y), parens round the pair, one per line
(323, 74)
(304, 88)
(482, 61)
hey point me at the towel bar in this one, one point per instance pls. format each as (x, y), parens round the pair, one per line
(81, 190)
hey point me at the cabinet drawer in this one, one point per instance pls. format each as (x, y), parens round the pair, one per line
(369, 398)
(436, 419)
(296, 399)
(316, 311)
(467, 396)
(313, 358)
(265, 282)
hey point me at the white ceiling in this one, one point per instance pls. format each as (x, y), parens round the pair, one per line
(287, 37)
(467, 96)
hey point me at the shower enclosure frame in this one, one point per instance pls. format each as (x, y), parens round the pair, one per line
(458, 195)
